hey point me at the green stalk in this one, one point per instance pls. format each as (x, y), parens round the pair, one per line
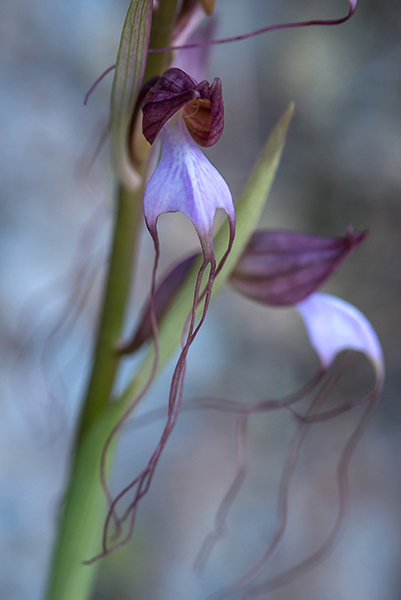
(83, 512)
(127, 224)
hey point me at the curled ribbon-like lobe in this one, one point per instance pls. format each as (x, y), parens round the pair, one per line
(165, 293)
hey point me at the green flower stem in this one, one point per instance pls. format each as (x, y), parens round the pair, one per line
(83, 511)
(127, 224)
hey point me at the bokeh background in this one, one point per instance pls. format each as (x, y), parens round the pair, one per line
(341, 166)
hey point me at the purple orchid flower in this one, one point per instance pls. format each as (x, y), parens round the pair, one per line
(333, 325)
(182, 112)
(283, 268)
(185, 112)
(184, 180)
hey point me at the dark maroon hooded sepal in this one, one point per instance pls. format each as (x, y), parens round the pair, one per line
(164, 295)
(203, 112)
(282, 268)
(171, 92)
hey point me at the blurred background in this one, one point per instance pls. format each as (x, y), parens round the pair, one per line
(341, 166)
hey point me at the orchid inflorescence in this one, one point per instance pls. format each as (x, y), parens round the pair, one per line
(176, 114)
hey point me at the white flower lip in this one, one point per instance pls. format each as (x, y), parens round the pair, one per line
(334, 325)
(185, 181)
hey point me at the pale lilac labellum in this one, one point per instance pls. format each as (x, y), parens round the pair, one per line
(334, 325)
(281, 268)
(185, 181)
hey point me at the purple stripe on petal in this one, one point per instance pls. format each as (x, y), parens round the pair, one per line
(282, 268)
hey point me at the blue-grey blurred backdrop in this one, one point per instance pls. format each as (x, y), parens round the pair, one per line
(341, 166)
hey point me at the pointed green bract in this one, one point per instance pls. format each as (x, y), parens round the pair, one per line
(130, 68)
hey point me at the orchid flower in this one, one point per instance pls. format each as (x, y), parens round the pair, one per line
(333, 325)
(284, 268)
(182, 112)
(185, 180)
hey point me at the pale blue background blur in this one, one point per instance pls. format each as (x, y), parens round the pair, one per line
(341, 166)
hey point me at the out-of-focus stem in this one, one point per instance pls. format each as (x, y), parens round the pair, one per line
(83, 510)
(106, 359)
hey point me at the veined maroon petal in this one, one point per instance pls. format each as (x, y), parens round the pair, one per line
(165, 293)
(203, 112)
(282, 268)
(171, 92)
